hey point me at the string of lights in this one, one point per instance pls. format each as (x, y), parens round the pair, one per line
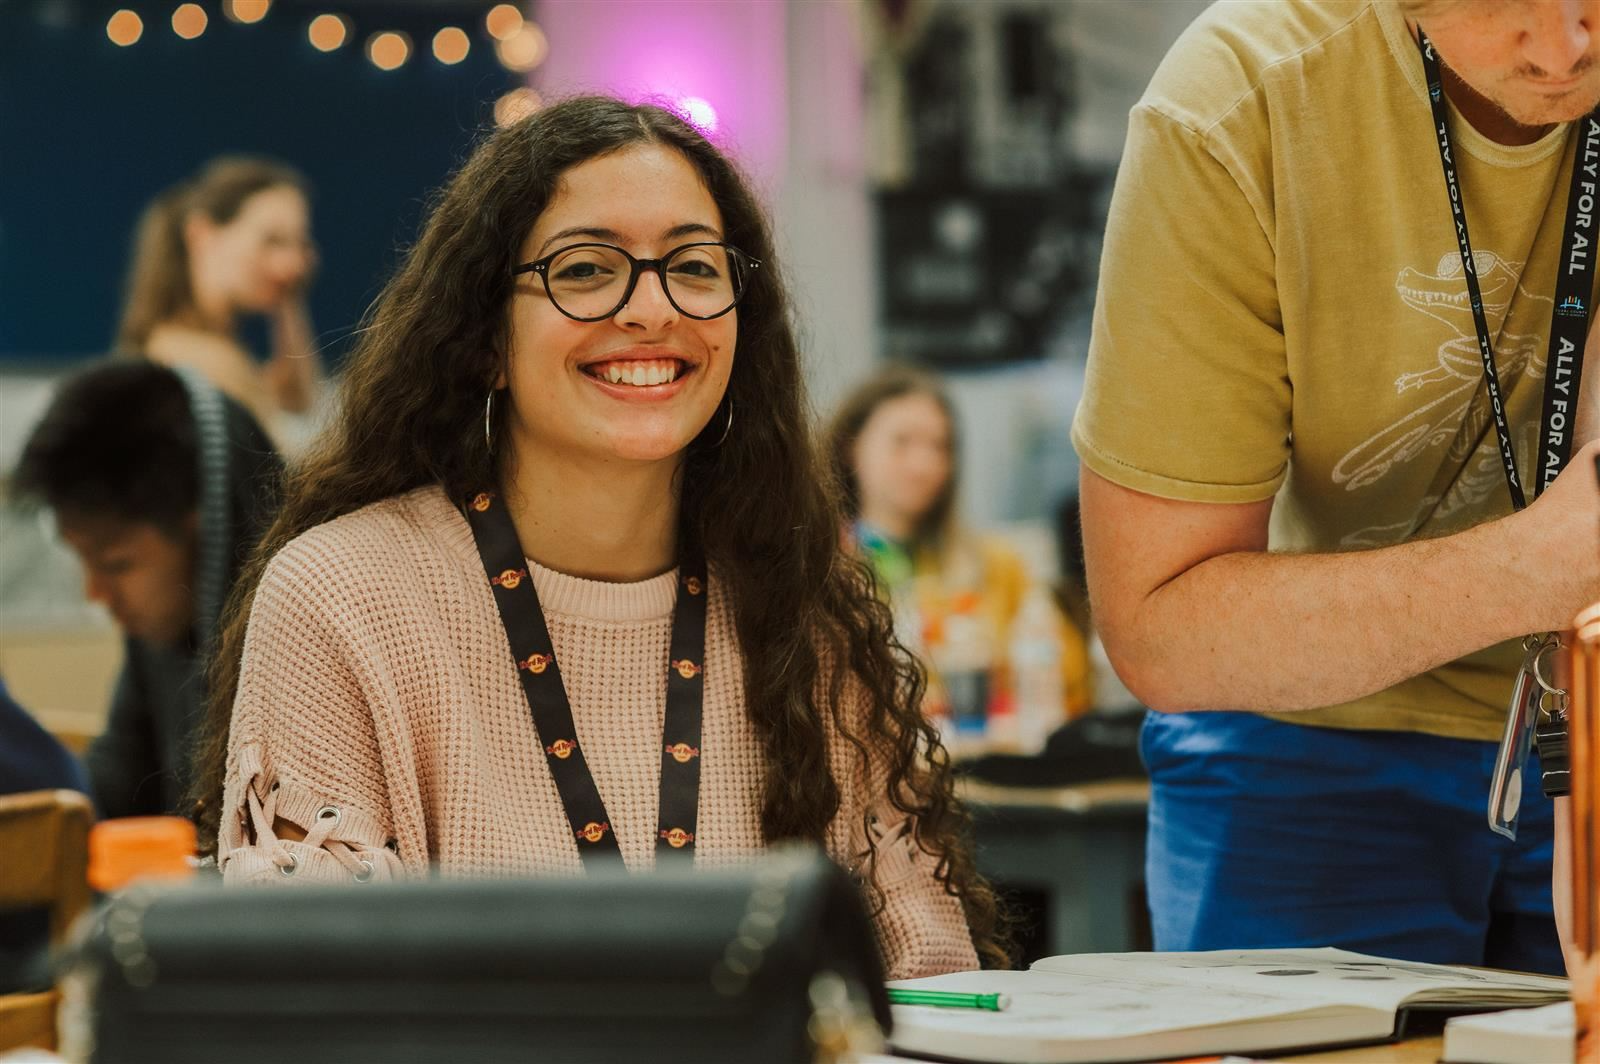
(519, 45)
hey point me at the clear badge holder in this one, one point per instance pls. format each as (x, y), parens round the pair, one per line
(1511, 761)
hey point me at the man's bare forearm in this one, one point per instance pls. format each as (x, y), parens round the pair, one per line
(1264, 631)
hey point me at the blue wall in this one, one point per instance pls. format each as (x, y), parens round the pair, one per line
(89, 132)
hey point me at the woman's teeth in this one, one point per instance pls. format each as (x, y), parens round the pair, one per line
(639, 374)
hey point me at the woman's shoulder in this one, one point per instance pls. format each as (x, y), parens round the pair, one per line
(221, 361)
(411, 538)
(218, 357)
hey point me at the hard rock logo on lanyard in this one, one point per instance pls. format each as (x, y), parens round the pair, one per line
(1536, 705)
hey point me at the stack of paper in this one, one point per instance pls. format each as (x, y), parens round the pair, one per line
(1523, 1036)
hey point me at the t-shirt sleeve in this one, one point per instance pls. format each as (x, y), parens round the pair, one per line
(1187, 393)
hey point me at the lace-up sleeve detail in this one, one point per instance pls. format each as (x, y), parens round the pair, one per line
(303, 747)
(342, 843)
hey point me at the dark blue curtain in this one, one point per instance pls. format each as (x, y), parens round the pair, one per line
(90, 131)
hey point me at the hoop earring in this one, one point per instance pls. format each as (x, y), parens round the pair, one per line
(728, 427)
(488, 421)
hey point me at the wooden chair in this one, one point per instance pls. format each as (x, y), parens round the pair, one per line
(44, 857)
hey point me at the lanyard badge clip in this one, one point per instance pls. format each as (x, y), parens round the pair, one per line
(1531, 697)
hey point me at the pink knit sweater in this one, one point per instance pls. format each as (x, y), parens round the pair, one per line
(379, 709)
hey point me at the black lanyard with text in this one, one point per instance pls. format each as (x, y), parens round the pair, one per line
(534, 653)
(1569, 321)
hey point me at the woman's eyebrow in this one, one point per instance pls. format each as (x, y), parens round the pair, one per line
(614, 237)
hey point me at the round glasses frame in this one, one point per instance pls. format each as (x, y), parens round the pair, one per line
(638, 266)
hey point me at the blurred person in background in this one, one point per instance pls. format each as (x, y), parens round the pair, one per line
(160, 484)
(893, 445)
(562, 583)
(233, 240)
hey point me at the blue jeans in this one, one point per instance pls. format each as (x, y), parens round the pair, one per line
(1269, 834)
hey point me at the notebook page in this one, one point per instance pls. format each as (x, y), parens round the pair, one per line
(1050, 1006)
(1314, 976)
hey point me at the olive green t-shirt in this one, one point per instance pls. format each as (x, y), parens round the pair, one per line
(1282, 312)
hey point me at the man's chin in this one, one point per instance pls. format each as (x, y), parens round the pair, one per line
(1537, 110)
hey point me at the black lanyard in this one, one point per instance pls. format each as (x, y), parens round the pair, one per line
(1574, 287)
(534, 654)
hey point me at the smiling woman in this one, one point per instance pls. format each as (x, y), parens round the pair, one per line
(563, 584)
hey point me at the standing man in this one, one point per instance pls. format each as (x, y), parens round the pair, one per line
(1298, 481)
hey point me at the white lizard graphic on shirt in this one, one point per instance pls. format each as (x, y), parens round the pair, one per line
(1447, 389)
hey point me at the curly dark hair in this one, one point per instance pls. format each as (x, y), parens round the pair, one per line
(761, 504)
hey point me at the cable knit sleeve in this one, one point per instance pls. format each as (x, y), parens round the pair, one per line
(922, 929)
(303, 746)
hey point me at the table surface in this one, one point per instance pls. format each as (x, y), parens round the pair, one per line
(1425, 1050)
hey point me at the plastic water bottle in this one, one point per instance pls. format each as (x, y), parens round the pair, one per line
(964, 659)
(1035, 653)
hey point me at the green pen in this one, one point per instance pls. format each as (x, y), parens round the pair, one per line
(947, 1000)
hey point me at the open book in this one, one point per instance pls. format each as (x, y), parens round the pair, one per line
(1527, 1036)
(1155, 1006)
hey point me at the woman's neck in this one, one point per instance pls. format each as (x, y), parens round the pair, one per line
(210, 313)
(601, 520)
(890, 522)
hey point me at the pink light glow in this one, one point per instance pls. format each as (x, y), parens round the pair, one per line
(699, 112)
(722, 66)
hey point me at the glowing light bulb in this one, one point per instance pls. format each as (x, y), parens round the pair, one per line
(246, 11)
(699, 112)
(124, 28)
(389, 50)
(503, 21)
(450, 45)
(516, 105)
(523, 50)
(189, 21)
(327, 32)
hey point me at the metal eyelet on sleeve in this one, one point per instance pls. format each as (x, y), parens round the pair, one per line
(329, 812)
(290, 868)
(365, 874)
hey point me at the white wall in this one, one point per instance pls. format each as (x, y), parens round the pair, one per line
(824, 214)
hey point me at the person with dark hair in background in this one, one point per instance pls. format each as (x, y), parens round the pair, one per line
(563, 583)
(234, 239)
(893, 446)
(160, 485)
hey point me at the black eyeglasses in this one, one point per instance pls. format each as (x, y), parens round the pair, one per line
(591, 282)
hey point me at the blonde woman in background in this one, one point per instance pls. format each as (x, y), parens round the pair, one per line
(233, 240)
(962, 600)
